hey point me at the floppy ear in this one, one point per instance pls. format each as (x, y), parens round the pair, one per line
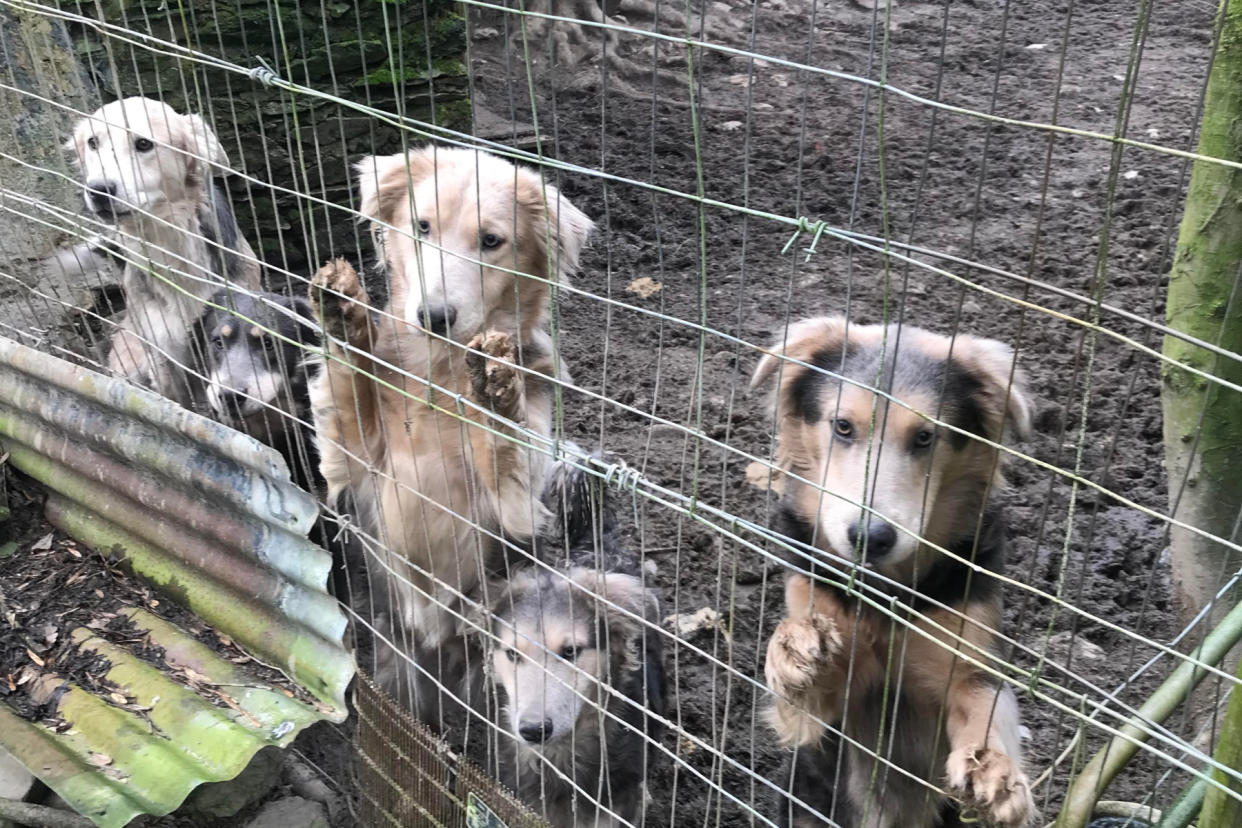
(569, 228)
(201, 142)
(992, 363)
(620, 598)
(384, 181)
(802, 341)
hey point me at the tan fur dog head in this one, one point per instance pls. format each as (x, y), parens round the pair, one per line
(139, 154)
(452, 223)
(914, 476)
(553, 643)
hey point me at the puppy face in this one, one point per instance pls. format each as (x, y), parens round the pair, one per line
(461, 220)
(138, 154)
(253, 373)
(863, 449)
(550, 647)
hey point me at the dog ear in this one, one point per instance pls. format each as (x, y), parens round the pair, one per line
(569, 228)
(201, 142)
(620, 598)
(804, 340)
(384, 181)
(992, 363)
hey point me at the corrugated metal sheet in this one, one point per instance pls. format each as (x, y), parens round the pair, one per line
(209, 517)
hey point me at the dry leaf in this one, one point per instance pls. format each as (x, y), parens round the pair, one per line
(644, 286)
(74, 551)
(99, 760)
(42, 544)
(34, 657)
(12, 686)
(118, 698)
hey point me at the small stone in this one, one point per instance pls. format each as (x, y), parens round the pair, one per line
(487, 33)
(15, 780)
(1065, 646)
(1037, 47)
(730, 126)
(1130, 175)
(287, 813)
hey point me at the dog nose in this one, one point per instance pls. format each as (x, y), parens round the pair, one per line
(437, 318)
(881, 536)
(536, 732)
(101, 193)
(230, 402)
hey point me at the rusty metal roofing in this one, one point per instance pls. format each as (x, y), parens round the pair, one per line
(209, 517)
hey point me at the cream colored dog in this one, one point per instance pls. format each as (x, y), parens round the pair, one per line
(147, 170)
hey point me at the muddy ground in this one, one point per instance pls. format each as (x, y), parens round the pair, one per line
(1065, 212)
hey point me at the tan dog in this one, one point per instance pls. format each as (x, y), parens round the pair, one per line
(951, 723)
(427, 474)
(147, 169)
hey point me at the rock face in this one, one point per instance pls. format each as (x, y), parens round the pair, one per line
(395, 56)
(39, 187)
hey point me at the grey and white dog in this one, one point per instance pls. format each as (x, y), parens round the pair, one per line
(579, 669)
(147, 171)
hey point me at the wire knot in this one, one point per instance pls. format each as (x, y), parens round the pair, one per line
(622, 475)
(263, 73)
(805, 225)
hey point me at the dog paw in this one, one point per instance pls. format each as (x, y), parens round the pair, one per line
(798, 653)
(341, 313)
(989, 781)
(495, 378)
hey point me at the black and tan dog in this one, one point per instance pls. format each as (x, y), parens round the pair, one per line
(472, 247)
(877, 485)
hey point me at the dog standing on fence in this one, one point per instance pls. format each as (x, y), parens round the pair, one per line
(435, 481)
(560, 645)
(840, 445)
(147, 170)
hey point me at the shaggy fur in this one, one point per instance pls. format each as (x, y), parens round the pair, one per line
(422, 479)
(951, 723)
(146, 169)
(258, 372)
(557, 641)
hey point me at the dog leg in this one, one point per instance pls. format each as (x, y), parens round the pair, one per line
(128, 358)
(502, 465)
(984, 765)
(345, 316)
(807, 662)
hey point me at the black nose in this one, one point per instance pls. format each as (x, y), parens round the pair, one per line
(536, 732)
(101, 194)
(231, 402)
(880, 539)
(437, 318)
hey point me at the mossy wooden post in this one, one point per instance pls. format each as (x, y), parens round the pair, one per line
(1202, 419)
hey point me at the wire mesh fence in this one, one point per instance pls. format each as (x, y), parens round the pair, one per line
(495, 279)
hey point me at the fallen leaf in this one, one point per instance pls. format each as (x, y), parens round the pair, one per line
(34, 657)
(99, 760)
(12, 685)
(42, 544)
(118, 698)
(644, 286)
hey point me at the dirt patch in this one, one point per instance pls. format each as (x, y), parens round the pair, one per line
(1069, 212)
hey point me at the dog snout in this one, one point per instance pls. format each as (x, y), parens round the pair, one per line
(880, 536)
(101, 195)
(437, 318)
(536, 732)
(230, 402)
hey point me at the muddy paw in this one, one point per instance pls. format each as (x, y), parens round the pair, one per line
(344, 313)
(495, 378)
(799, 652)
(989, 781)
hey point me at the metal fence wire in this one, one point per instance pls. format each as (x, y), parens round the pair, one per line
(576, 546)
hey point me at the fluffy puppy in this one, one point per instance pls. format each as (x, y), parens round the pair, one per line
(258, 370)
(147, 170)
(876, 486)
(561, 646)
(472, 247)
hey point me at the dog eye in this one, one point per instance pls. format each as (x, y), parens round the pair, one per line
(218, 342)
(269, 343)
(512, 655)
(843, 428)
(491, 240)
(569, 652)
(92, 142)
(144, 145)
(924, 438)
(424, 226)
